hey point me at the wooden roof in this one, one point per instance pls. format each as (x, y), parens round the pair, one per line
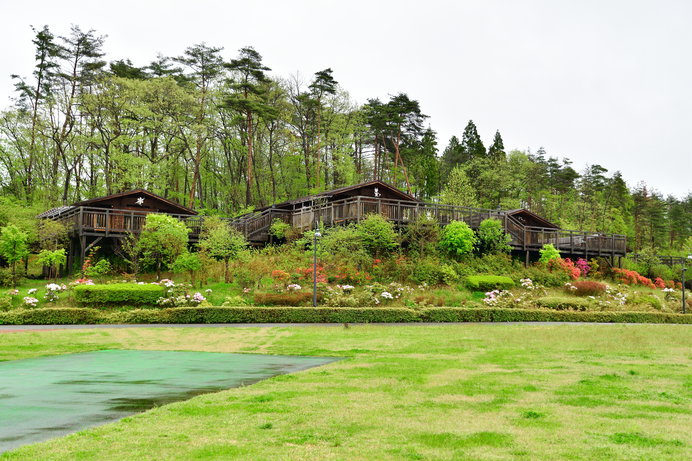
(529, 218)
(114, 200)
(398, 194)
(95, 201)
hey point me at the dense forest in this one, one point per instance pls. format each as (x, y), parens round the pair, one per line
(220, 134)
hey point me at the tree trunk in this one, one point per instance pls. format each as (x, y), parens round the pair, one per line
(248, 189)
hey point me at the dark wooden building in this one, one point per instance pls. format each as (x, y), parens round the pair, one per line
(104, 220)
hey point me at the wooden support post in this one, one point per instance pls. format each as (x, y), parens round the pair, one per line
(526, 261)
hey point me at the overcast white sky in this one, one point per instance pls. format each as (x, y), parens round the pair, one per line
(598, 81)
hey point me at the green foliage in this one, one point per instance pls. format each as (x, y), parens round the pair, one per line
(162, 240)
(118, 294)
(488, 282)
(98, 270)
(221, 242)
(563, 303)
(187, 262)
(282, 299)
(548, 253)
(13, 247)
(344, 244)
(451, 314)
(378, 235)
(183, 315)
(544, 277)
(52, 259)
(648, 300)
(280, 229)
(423, 235)
(433, 272)
(458, 190)
(52, 234)
(492, 238)
(495, 264)
(457, 239)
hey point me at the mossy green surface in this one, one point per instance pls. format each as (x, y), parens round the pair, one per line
(448, 392)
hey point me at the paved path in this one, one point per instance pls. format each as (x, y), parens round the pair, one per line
(22, 328)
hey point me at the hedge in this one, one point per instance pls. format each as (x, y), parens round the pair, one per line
(118, 293)
(60, 316)
(562, 303)
(488, 282)
(460, 314)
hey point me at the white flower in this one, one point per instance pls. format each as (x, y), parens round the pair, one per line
(53, 287)
(30, 301)
(387, 295)
(293, 287)
(346, 287)
(669, 290)
(32, 291)
(208, 291)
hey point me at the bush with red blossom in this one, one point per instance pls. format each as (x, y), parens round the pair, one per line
(629, 277)
(566, 265)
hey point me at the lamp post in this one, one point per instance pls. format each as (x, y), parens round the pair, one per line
(684, 269)
(314, 264)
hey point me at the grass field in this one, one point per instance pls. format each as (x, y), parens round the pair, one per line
(476, 391)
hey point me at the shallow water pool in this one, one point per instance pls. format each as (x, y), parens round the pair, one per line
(46, 397)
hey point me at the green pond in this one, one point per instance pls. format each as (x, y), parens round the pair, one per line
(47, 397)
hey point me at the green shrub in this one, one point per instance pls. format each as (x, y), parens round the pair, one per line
(647, 300)
(5, 303)
(452, 314)
(544, 277)
(561, 303)
(488, 282)
(662, 271)
(7, 278)
(118, 293)
(492, 238)
(457, 239)
(432, 272)
(52, 316)
(186, 315)
(423, 235)
(495, 264)
(282, 299)
(377, 234)
(548, 253)
(280, 229)
(98, 270)
(343, 244)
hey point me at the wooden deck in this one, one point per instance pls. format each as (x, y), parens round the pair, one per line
(99, 222)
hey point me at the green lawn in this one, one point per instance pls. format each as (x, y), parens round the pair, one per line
(475, 391)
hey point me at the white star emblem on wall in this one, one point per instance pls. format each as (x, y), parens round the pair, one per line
(140, 201)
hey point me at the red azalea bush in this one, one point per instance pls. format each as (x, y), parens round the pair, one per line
(305, 273)
(350, 275)
(566, 265)
(659, 283)
(280, 275)
(586, 288)
(629, 277)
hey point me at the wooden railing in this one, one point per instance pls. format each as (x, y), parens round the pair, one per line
(255, 226)
(353, 209)
(118, 222)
